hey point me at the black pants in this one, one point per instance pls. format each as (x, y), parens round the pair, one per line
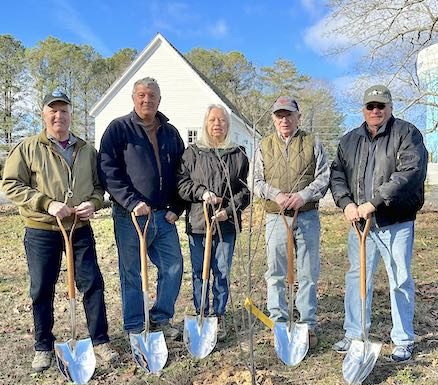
(44, 252)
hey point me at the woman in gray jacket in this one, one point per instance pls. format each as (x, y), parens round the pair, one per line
(214, 171)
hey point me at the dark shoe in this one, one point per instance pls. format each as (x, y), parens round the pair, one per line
(168, 330)
(42, 360)
(221, 329)
(106, 353)
(342, 346)
(402, 353)
(313, 339)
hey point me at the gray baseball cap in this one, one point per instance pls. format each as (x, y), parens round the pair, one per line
(285, 103)
(377, 93)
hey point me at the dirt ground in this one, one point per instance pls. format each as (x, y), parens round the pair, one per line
(245, 347)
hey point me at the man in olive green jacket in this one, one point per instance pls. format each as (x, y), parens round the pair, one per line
(51, 175)
(291, 173)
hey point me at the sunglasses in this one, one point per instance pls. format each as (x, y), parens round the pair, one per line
(372, 106)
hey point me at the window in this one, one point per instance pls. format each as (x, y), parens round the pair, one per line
(192, 135)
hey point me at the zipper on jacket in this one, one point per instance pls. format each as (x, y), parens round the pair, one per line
(71, 180)
(357, 171)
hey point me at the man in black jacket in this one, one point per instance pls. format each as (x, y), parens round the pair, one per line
(138, 159)
(379, 173)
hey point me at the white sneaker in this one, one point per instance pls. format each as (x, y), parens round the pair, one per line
(42, 360)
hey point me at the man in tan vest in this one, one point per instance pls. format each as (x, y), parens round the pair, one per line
(291, 173)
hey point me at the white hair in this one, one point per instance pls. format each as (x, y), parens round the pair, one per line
(205, 139)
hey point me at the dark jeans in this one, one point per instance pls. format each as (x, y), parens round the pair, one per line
(220, 265)
(44, 252)
(164, 252)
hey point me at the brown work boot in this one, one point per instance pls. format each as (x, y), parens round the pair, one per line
(106, 353)
(42, 360)
(313, 339)
(221, 328)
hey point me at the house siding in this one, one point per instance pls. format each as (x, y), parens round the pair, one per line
(184, 94)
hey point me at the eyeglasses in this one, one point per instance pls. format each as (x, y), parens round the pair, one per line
(288, 116)
(372, 106)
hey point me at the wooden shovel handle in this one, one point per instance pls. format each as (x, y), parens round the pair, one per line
(143, 251)
(290, 246)
(68, 241)
(362, 236)
(208, 242)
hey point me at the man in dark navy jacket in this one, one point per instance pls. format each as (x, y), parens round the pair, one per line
(138, 158)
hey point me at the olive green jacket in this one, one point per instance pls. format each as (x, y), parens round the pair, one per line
(36, 173)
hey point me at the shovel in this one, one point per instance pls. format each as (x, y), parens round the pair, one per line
(149, 349)
(362, 355)
(291, 340)
(75, 358)
(200, 332)
(249, 305)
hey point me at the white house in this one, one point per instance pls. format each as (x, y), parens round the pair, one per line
(185, 95)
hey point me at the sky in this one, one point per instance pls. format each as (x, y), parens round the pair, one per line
(263, 31)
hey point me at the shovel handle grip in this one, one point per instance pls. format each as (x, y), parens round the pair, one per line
(69, 255)
(208, 243)
(362, 237)
(143, 251)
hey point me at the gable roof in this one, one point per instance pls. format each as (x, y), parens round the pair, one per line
(140, 60)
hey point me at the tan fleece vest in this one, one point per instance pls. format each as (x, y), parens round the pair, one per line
(289, 168)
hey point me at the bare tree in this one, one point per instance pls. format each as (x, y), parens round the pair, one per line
(392, 34)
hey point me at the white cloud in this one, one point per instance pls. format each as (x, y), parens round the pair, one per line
(315, 8)
(69, 18)
(183, 19)
(321, 39)
(219, 29)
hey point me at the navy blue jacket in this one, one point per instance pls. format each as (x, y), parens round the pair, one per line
(128, 169)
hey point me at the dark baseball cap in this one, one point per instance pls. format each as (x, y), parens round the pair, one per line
(56, 96)
(285, 103)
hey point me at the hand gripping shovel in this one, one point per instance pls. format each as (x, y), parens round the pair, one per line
(291, 340)
(362, 355)
(200, 332)
(149, 349)
(75, 358)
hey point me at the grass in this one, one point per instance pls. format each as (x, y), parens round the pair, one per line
(228, 364)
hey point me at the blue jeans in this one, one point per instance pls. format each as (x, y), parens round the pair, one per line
(220, 265)
(44, 252)
(164, 252)
(307, 265)
(394, 243)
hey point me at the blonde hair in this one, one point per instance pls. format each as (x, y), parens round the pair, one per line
(205, 139)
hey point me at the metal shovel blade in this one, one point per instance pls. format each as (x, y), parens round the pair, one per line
(200, 337)
(149, 350)
(76, 360)
(291, 344)
(360, 360)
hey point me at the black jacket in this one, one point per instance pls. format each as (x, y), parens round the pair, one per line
(202, 170)
(399, 171)
(128, 169)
